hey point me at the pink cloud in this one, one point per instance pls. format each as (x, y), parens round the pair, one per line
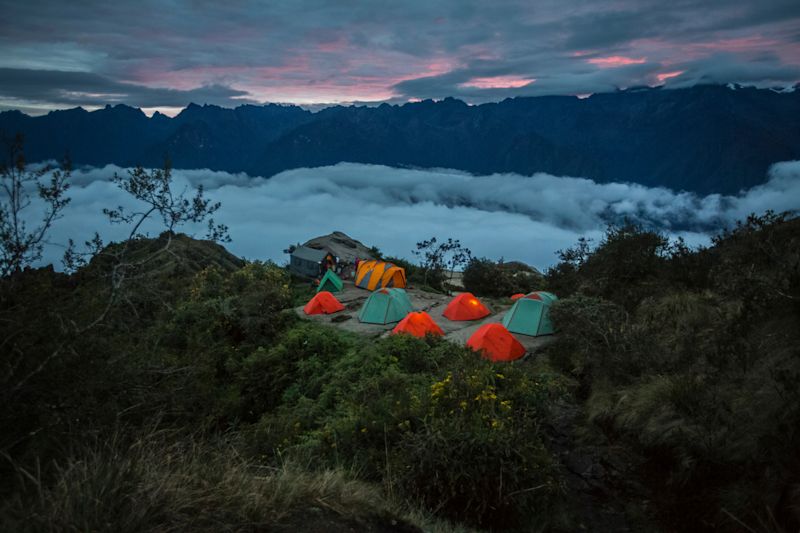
(336, 45)
(615, 61)
(498, 82)
(663, 76)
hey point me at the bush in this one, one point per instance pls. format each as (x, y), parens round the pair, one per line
(385, 410)
(477, 454)
(696, 381)
(484, 277)
(629, 265)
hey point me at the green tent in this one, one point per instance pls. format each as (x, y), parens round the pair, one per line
(529, 317)
(330, 282)
(385, 306)
(546, 297)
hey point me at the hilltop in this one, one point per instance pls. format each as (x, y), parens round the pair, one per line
(667, 399)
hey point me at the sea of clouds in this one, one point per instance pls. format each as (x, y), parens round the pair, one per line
(525, 218)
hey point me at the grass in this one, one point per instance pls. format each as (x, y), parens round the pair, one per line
(154, 483)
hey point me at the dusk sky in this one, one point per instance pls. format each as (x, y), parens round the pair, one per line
(163, 55)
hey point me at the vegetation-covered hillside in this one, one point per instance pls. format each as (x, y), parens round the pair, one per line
(199, 402)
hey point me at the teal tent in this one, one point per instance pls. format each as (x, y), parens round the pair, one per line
(529, 317)
(546, 297)
(385, 306)
(330, 282)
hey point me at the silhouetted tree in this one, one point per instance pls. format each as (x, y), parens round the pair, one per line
(21, 243)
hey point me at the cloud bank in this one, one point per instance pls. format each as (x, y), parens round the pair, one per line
(525, 218)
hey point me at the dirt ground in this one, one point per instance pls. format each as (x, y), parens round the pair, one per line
(434, 304)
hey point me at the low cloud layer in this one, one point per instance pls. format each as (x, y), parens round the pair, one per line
(502, 215)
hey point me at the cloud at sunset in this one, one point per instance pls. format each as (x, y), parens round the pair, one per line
(615, 61)
(55, 55)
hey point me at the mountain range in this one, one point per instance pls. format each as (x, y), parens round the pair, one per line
(705, 139)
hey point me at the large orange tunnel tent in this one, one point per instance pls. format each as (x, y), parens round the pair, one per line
(373, 275)
(496, 343)
(465, 307)
(418, 324)
(323, 303)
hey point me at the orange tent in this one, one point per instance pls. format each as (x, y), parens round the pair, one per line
(465, 307)
(324, 303)
(373, 275)
(518, 296)
(496, 343)
(418, 325)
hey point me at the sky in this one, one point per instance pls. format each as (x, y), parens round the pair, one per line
(162, 55)
(525, 218)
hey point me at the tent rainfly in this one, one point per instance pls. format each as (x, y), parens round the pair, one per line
(530, 316)
(544, 296)
(385, 306)
(323, 303)
(465, 307)
(418, 324)
(373, 275)
(330, 282)
(494, 342)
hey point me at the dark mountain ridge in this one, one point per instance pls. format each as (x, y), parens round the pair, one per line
(708, 138)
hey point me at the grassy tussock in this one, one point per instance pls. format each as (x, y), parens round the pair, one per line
(153, 485)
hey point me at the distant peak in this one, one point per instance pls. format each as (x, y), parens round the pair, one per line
(72, 110)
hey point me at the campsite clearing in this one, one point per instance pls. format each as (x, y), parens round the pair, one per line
(433, 303)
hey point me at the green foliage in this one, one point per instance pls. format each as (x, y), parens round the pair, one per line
(437, 258)
(172, 352)
(691, 358)
(387, 410)
(478, 452)
(628, 266)
(484, 277)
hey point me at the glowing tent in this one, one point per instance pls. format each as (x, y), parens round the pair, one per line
(385, 306)
(465, 307)
(323, 303)
(418, 325)
(379, 275)
(495, 343)
(330, 282)
(518, 296)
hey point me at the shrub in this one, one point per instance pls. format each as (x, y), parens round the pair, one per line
(477, 453)
(484, 277)
(594, 337)
(386, 410)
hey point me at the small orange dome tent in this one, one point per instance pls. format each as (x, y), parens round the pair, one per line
(465, 307)
(496, 343)
(517, 296)
(418, 325)
(324, 303)
(373, 275)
